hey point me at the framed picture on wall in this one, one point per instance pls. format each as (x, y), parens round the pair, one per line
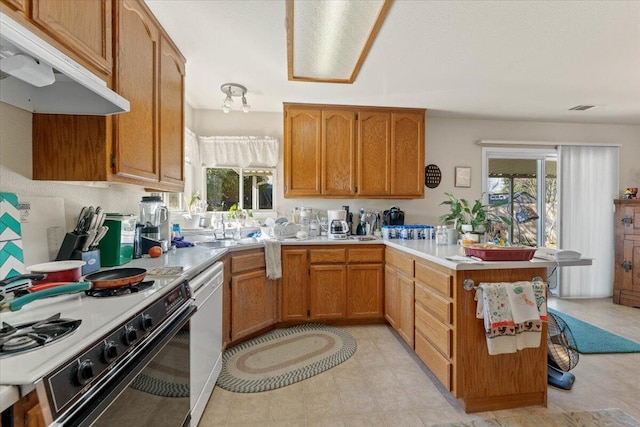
(463, 176)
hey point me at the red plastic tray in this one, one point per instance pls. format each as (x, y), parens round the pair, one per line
(499, 253)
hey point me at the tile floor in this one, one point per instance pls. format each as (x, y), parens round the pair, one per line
(384, 384)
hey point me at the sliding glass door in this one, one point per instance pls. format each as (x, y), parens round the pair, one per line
(522, 185)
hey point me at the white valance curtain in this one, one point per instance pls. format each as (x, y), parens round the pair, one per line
(588, 184)
(191, 152)
(238, 151)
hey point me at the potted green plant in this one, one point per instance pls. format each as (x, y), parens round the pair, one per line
(466, 216)
(195, 208)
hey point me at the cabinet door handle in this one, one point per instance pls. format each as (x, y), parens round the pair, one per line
(626, 266)
(627, 220)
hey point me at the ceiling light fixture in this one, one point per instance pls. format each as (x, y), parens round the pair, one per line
(328, 41)
(231, 90)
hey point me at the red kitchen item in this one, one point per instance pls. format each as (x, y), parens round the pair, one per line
(499, 253)
(58, 271)
(42, 286)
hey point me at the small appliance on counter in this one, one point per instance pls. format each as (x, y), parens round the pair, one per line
(116, 247)
(154, 218)
(338, 230)
(393, 216)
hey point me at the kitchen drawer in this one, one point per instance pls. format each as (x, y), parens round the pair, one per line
(323, 256)
(365, 254)
(437, 364)
(400, 261)
(440, 307)
(432, 329)
(436, 280)
(247, 262)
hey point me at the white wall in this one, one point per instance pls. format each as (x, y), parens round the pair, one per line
(449, 143)
(16, 173)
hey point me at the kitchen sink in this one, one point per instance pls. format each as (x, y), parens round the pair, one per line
(226, 243)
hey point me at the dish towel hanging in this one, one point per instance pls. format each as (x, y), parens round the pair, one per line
(272, 259)
(513, 314)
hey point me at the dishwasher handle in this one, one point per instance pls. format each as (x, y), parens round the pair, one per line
(214, 274)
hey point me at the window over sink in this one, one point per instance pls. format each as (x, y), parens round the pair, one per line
(249, 188)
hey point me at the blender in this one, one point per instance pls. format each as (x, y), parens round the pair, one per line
(153, 214)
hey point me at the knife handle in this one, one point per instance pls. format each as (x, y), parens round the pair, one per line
(18, 303)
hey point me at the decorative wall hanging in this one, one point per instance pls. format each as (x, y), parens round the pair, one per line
(432, 176)
(463, 176)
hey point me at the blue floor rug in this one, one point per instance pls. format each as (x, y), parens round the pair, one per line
(593, 340)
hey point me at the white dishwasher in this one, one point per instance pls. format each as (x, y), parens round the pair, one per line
(205, 337)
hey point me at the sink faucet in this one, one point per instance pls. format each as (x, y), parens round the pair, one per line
(215, 229)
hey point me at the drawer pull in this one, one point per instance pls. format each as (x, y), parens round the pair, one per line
(627, 220)
(626, 266)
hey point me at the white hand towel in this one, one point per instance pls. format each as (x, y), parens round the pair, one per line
(272, 259)
(522, 302)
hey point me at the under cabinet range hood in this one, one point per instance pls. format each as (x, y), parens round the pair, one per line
(37, 77)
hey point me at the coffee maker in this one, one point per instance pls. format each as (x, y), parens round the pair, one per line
(153, 215)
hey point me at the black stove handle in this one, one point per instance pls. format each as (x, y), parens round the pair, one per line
(34, 276)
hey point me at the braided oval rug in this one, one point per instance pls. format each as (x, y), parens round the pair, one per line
(284, 356)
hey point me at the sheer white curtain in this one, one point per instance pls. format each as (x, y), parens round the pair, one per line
(238, 151)
(588, 180)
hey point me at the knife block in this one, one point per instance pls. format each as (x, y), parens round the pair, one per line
(72, 242)
(92, 259)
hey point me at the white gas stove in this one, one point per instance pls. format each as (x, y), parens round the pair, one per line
(98, 315)
(108, 333)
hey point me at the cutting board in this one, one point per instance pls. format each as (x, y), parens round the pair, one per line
(11, 253)
(43, 227)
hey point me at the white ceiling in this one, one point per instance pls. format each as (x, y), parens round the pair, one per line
(515, 60)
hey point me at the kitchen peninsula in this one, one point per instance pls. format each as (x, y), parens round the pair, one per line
(426, 303)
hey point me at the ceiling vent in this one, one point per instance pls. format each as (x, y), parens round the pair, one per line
(583, 107)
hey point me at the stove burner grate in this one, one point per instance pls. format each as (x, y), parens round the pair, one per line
(123, 290)
(32, 335)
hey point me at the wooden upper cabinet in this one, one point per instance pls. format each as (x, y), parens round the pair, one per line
(407, 154)
(302, 152)
(338, 153)
(374, 150)
(350, 151)
(172, 73)
(82, 26)
(144, 147)
(136, 148)
(17, 5)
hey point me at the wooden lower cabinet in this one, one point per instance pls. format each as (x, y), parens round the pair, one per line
(295, 288)
(26, 412)
(253, 297)
(399, 294)
(365, 291)
(391, 301)
(406, 309)
(451, 341)
(626, 284)
(328, 292)
(333, 282)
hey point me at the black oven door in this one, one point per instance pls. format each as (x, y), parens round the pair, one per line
(151, 390)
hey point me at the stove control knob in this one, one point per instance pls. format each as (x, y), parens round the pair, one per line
(146, 322)
(130, 335)
(84, 373)
(109, 351)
